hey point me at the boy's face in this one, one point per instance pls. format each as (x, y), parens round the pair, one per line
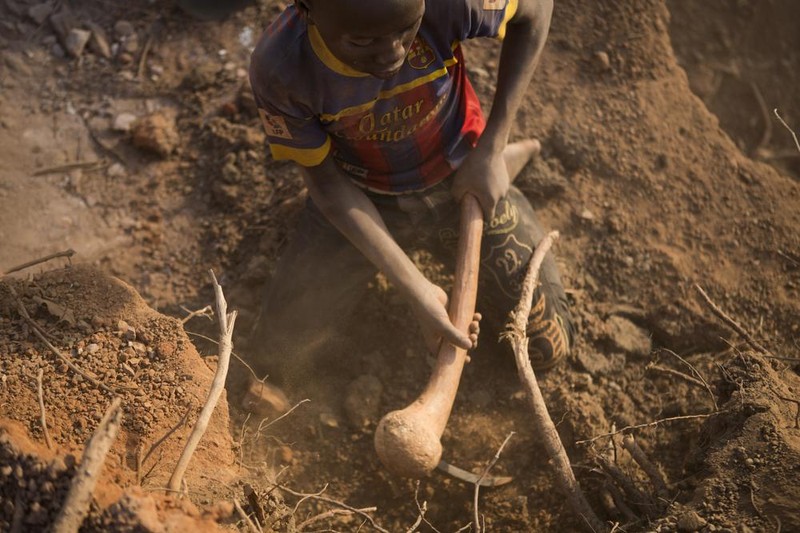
(373, 36)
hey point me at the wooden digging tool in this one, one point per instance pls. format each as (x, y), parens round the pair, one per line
(407, 441)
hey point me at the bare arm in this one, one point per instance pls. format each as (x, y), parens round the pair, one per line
(483, 172)
(352, 213)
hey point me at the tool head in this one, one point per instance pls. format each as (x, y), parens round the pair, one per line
(406, 446)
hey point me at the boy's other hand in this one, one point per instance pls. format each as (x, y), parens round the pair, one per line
(431, 311)
(485, 175)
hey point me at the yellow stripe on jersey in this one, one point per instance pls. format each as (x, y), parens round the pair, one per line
(327, 57)
(511, 10)
(307, 157)
(394, 91)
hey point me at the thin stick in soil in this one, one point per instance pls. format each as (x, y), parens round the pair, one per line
(654, 423)
(66, 253)
(42, 412)
(226, 324)
(650, 468)
(76, 504)
(697, 374)
(476, 517)
(319, 497)
(785, 125)
(543, 424)
(141, 460)
(732, 323)
(243, 515)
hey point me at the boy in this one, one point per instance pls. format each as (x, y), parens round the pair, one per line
(371, 99)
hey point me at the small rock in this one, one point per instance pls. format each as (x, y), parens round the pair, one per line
(362, 402)
(156, 133)
(286, 454)
(123, 121)
(40, 12)
(76, 40)
(587, 215)
(628, 337)
(264, 399)
(116, 171)
(99, 41)
(123, 28)
(593, 362)
(130, 44)
(57, 51)
(92, 348)
(602, 60)
(690, 521)
(327, 419)
(127, 331)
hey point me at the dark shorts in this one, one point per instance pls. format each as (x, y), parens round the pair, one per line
(321, 276)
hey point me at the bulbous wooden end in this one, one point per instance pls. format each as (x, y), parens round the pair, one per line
(406, 446)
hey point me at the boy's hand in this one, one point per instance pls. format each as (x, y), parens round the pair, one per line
(431, 311)
(484, 174)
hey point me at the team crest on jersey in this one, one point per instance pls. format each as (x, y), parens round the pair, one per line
(494, 5)
(274, 126)
(421, 54)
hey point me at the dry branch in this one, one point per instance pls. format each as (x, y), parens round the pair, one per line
(226, 323)
(76, 505)
(319, 497)
(42, 412)
(516, 335)
(250, 524)
(697, 374)
(66, 253)
(650, 468)
(732, 323)
(490, 464)
(649, 425)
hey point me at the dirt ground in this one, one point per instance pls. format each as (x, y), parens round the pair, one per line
(663, 167)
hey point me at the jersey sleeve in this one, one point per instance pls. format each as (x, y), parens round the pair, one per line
(486, 18)
(293, 131)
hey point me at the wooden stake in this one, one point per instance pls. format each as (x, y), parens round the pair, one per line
(226, 323)
(76, 505)
(516, 335)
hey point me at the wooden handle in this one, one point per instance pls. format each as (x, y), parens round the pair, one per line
(408, 441)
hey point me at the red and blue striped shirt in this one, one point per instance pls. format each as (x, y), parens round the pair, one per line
(391, 136)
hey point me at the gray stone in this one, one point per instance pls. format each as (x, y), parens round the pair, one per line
(123, 28)
(75, 41)
(99, 41)
(40, 12)
(690, 521)
(628, 337)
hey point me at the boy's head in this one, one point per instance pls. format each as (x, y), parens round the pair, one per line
(372, 37)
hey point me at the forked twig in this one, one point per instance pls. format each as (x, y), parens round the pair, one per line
(732, 323)
(697, 374)
(226, 324)
(516, 335)
(76, 504)
(319, 497)
(490, 464)
(42, 412)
